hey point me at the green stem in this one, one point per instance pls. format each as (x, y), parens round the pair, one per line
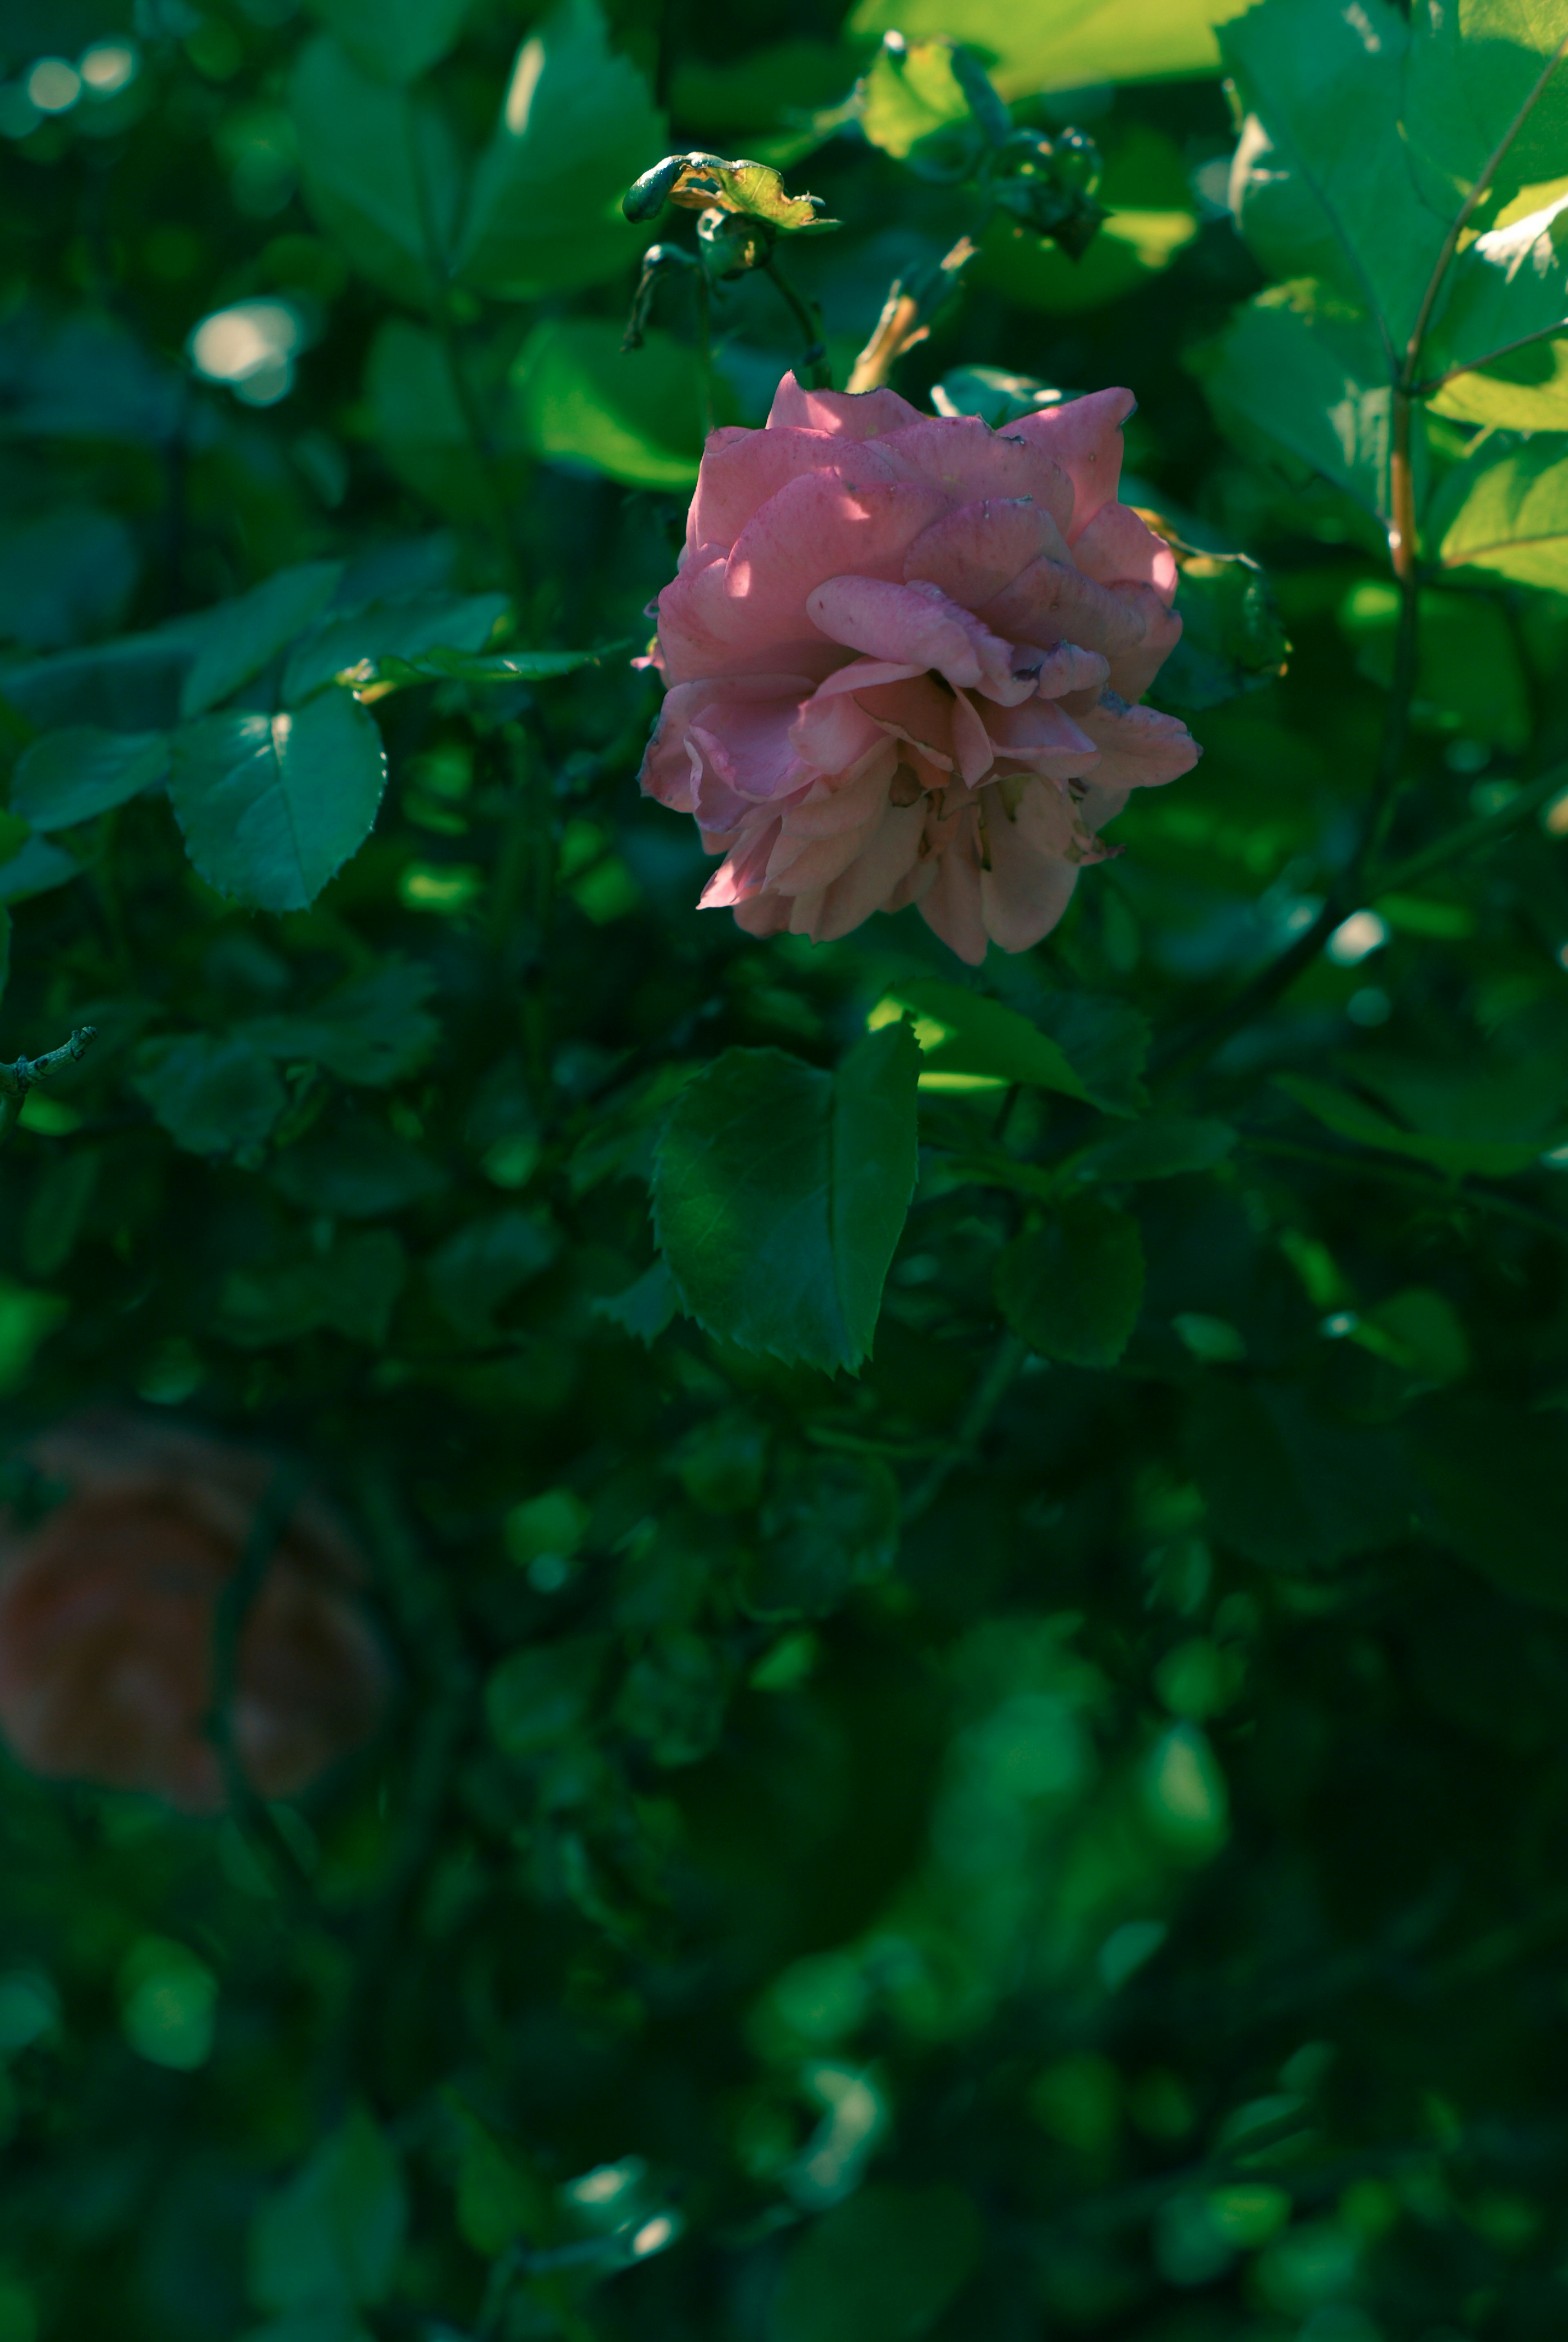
(809, 319)
(1472, 837)
(1430, 1184)
(26, 1073)
(705, 350)
(990, 1391)
(484, 451)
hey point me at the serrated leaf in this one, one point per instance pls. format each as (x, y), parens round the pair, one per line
(237, 639)
(372, 1030)
(404, 631)
(967, 1042)
(492, 666)
(213, 1094)
(638, 418)
(395, 40)
(1073, 1287)
(37, 867)
(73, 775)
(333, 2235)
(1475, 68)
(1232, 639)
(272, 807)
(1321, 186)
(1506, 510)
(1310, 382)
(577, 122)
(780, 1191)
(380, 171)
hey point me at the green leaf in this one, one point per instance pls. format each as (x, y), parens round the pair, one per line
(1286, 1486)
(1321, 185)
(1506, 510)
(492, 666)
(1061, 44)
(577, 397)
(65, 575)
(354, 1289)
(780, 1191)
(643, 1309)
(911, 94)
(332, 2236)
(395, 40)
(36, 868)
(578, 122)
(969, 1043)
(355, 1169)
(881, 2267)
(1158, 1149)
(1475, 68)
(380, 172)
(213, 1095)
(75, 775)
(373, 1030)
(832, 1525)
(707, 182)
(1469, 672)
(272, 807)
(1510, 287)
(1073, 1289)
(539, 1697)
(1349, 1118)
(1231, 638)
(1297, 375)
(403, 631)
(131, 685)
(237, 639)
(4, 949)
(480, 1266)
(993, 393)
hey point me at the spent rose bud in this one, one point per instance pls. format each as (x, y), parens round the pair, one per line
(108, 1609)
(903, 655)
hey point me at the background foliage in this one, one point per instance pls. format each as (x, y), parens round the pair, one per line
(1058, 1830)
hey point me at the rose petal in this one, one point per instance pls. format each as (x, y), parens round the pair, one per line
(1140, 747)
(824, 830)
(1030, 880)
(966, 459)
(952, 906)
(1040, 736)
(890, 852)
(1084, 437)
(973, 553)
(741, 873)
(847, 415)
(1119, 547)
(1132, 674)
(918, 624)
(1051, 602)
(671, 768)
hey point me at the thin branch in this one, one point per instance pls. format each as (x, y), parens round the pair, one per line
(990, 1391)
(28, 1072)
(808, 317)
(1430, 1184)
(1470, 836)
(1466, 213)
(1473, 365)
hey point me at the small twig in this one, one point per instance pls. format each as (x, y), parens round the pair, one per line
(808, 317)
(234, 1603)
(1430, 1184)
(16, 1080)
(992, 1388)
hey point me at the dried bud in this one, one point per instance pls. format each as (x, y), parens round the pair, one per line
(697, 182)
(108, 1609)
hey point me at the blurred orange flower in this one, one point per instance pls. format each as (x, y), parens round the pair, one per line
(108, 1607)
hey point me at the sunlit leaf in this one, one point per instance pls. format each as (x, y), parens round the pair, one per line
(1509, 287)
(638, 418)
(1506, 510)
(397, 40)
(1291, 374)
(1062, 43)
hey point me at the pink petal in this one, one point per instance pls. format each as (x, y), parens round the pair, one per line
(833, 731)
(1120, 547)
(1084, 437)
(1050, 602)
(1041, 738)
(952, 907)
(764, 915)
(849, 900)
(740, 875)
(741, 469)
(1030, 881)
(973, 553)
(972, 744)
(1140, 747)
(749, 749)
(919, 626)
(966, 459)
(917, 710)
(824, 830)
(671, 768)
(848, 415)
(1066, 670)
(1134, 671)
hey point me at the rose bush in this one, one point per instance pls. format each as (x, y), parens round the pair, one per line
(107, 1611)
(904, 654)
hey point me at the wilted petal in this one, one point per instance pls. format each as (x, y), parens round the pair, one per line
(952, 907)
(1041, 736)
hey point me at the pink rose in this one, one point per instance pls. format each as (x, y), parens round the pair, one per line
(107, 1611)
(904, 653)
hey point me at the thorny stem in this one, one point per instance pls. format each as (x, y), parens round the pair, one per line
(808, 316)
(16, 1080)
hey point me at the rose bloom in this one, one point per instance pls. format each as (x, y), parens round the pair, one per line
(107, 1611)
(904, 654)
